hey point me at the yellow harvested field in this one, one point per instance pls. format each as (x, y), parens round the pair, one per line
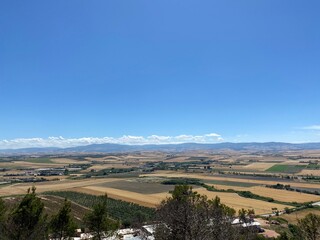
(216, 177)
(277, 194)
(310, 172)
(152, 200)
(293, 162)
(260, 166)
(14, 164)
(68, 161)
(293, 217)
(103, 158)
(235, 201)
(61, 178)
(21, 188)
(180, 159)
(148, 200)
(34, 164)
(98, 167)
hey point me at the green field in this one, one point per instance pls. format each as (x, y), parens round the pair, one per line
(281, 168)
(313, 166)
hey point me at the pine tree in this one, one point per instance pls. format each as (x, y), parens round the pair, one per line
(310, 226)
(99, 222)
(188, 215)
(62, 224)
(27, 220)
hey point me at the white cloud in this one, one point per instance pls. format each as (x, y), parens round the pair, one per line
(126, 139)
(312, 127)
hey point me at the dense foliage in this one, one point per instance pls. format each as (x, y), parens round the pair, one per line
(27, 220)
(188, 215)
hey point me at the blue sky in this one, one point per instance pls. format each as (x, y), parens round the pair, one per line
(243, 70)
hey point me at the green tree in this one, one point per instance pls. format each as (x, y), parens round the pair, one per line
(3, 210)
(62, 224)
(295, 231)
(283, 236)
(188, 215)
(139, 218)
(99, 222)
(247, 217)
(27, 220)
(310, 226)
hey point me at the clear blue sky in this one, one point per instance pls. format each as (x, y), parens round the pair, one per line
(246, 70)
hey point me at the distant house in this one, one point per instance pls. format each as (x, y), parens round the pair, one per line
(250, 223)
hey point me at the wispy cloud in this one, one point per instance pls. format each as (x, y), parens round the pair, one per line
(312, 127)
(126, 139)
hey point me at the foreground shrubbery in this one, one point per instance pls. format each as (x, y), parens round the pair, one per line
(28, 221)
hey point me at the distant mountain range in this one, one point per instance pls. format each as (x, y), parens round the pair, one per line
(116, 148)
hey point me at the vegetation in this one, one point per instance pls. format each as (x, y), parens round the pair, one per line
(62, 224)
(114, 172)
(286, 168)
(183, 181)
(185, 215)
(27, 220)
(245, 194)
(313, 166)
(310, 226)
(289, 188)
(119, 210)
(2, 216)
(99, 222)
(188, 215)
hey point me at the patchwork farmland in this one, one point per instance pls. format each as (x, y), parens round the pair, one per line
(240, 179)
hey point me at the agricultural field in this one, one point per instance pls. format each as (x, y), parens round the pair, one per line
(242, 179)
(258, 166)
(138, 177)
(117, 209)
(293, 217)
(52, 205)
(235, 201)
(132, 185)
(305, 172)
(147, 200)
(38, 160)
(277, 194)
(286, 168)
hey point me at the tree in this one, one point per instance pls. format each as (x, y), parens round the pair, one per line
(188, 215)
(138, 219)
(27, 220)
(283, 236)
(310, 226)
(62, 224)
(98, 221)
(3, 210)
(247, 217)
(295, 231)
